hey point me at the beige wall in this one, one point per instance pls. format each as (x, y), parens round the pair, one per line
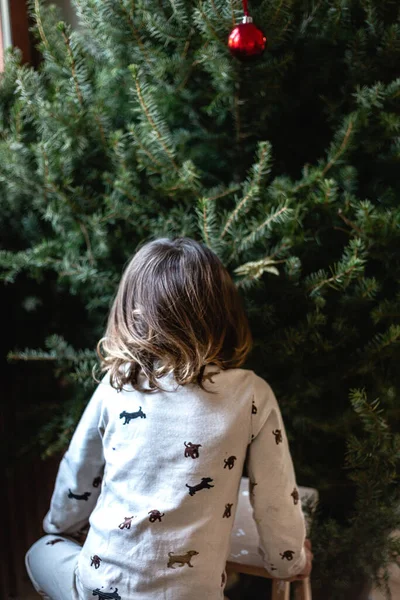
(1, 47)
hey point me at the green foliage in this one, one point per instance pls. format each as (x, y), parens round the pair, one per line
(372, 460)
(140, 124)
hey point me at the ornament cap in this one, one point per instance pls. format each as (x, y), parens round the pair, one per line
(247, 19)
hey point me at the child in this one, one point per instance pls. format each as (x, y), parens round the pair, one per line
(158, 454)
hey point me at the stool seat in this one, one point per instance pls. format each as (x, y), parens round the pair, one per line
(245, 552)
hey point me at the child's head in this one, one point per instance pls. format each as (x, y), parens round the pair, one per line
(176, 310)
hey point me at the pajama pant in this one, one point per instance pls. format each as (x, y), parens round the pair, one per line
(51, 568)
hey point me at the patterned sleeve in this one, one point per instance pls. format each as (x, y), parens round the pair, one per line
(274, 495)
(79, 477)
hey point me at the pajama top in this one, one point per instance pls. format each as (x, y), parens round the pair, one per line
(157, 477)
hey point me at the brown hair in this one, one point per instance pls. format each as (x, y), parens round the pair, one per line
(176, 310)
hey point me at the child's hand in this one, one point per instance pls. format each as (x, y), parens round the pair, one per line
(307, 569)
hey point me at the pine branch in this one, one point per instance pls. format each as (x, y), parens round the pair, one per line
(208, 223)
(259, 170)
(276, 215)
(202, 18)
(350, 267)
(129, 20)
(253, 270)
(62, 28)
(146, 111)
(341, 149)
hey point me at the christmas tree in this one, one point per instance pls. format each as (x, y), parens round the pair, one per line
(142, 124)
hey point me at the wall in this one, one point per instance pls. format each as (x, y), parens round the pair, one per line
(1, 46)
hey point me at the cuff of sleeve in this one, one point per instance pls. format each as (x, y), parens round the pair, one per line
(284, 571)
(78, 529)
(48, 526)
(299, 565)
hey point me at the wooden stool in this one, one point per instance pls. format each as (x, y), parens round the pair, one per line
(244, 555)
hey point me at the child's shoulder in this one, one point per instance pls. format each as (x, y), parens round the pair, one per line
(259, 383)
(264, 403)
(233, 376)
(261, 386)
(263, 397)
(238, 378)
(261, 389)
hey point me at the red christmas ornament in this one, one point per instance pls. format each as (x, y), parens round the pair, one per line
(246, 41)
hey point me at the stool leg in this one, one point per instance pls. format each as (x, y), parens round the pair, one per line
(280, 589)
(302, 590)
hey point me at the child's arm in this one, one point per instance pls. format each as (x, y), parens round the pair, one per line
(276, 505)
(78, 482)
